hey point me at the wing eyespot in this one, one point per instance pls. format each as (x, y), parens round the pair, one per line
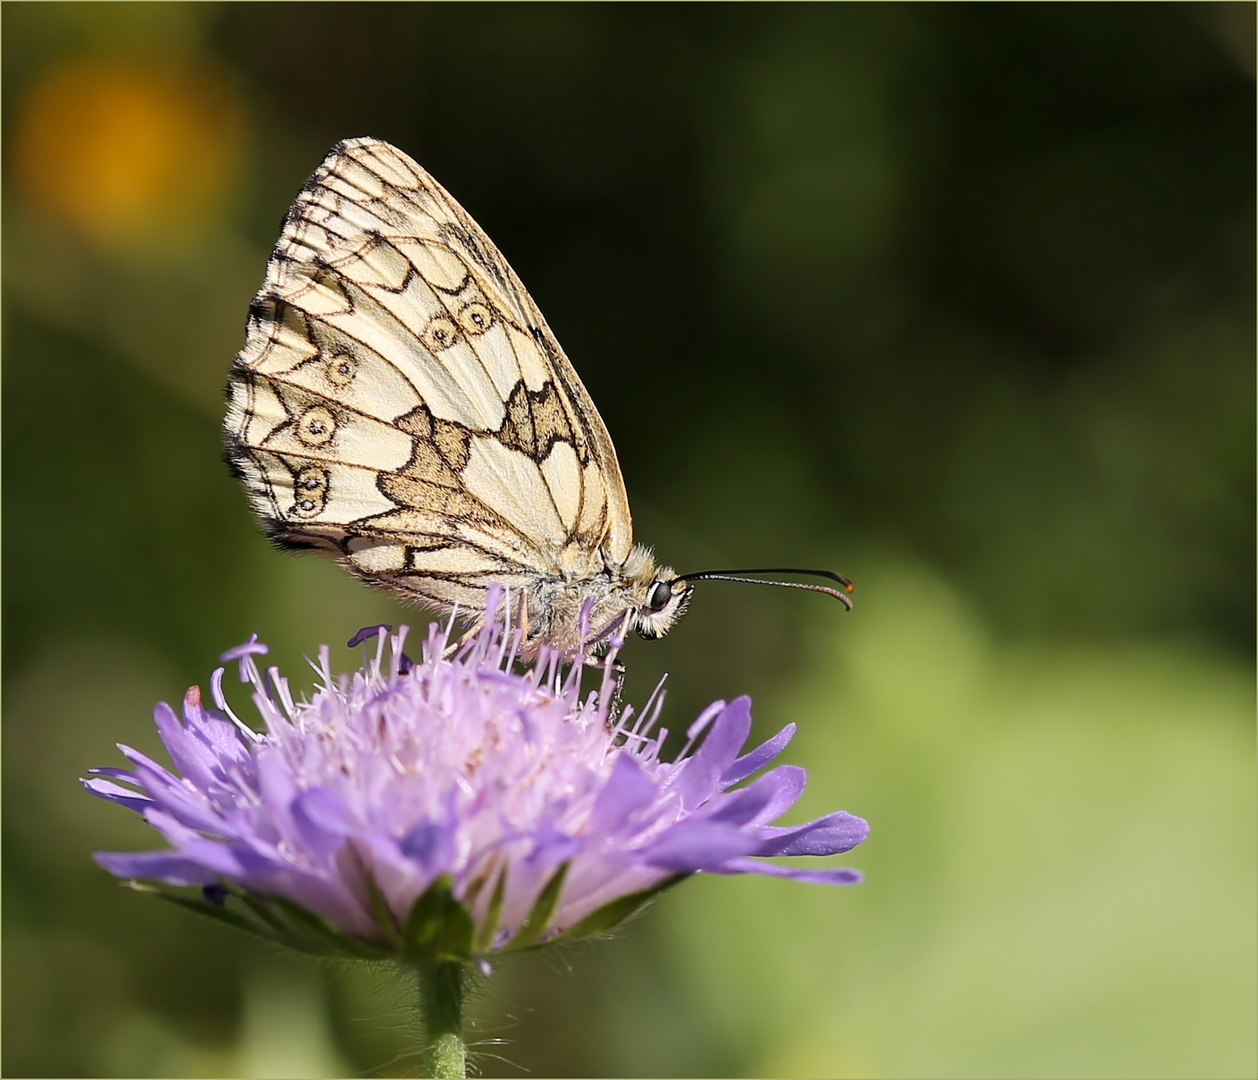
(316, 427)
(310, 487)
(476, 318)
(440, 334)
(340, 369)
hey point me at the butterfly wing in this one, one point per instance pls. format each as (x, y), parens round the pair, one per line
(401, 402)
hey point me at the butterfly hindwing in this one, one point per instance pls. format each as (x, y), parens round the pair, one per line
(401, 401)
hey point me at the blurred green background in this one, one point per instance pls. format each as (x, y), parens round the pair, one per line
(955, 299)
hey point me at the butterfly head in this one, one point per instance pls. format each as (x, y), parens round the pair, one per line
(665, 602)
(658, 596)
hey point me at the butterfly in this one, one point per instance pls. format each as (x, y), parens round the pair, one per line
(401, 404)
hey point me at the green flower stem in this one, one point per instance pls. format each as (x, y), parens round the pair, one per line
(441, 986)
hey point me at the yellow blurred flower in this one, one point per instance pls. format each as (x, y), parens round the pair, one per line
(128, 152)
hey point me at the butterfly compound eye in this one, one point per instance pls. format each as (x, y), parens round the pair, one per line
(661, 593)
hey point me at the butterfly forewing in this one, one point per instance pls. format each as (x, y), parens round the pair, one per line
(401, 401)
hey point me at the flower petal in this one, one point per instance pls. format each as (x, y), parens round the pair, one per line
(166, 865)
(187, 756)
(768, 797)
(212, 854)
(701, 773)
(177, 798)
(840, 875)
(698, 845)
(829, 835)
(224, 743)
(628, 788)
(758, 758)
(107, 789)
(322, 820)
(432, 846)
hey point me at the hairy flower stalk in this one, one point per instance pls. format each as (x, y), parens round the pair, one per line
(444, 812)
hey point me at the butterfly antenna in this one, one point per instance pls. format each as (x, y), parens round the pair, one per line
(734, 575)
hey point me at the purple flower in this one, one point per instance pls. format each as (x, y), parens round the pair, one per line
(454, 807)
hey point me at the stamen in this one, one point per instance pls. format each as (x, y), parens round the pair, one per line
(517, 639)
(367, 633)
(402, 663)
(281, 688)
(651, 710)
(697, 728)
(216, 692)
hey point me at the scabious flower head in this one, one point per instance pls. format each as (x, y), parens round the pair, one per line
(453, 808)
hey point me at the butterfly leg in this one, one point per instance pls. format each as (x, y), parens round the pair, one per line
(467, 635)
(616, 670)
(522, 619)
